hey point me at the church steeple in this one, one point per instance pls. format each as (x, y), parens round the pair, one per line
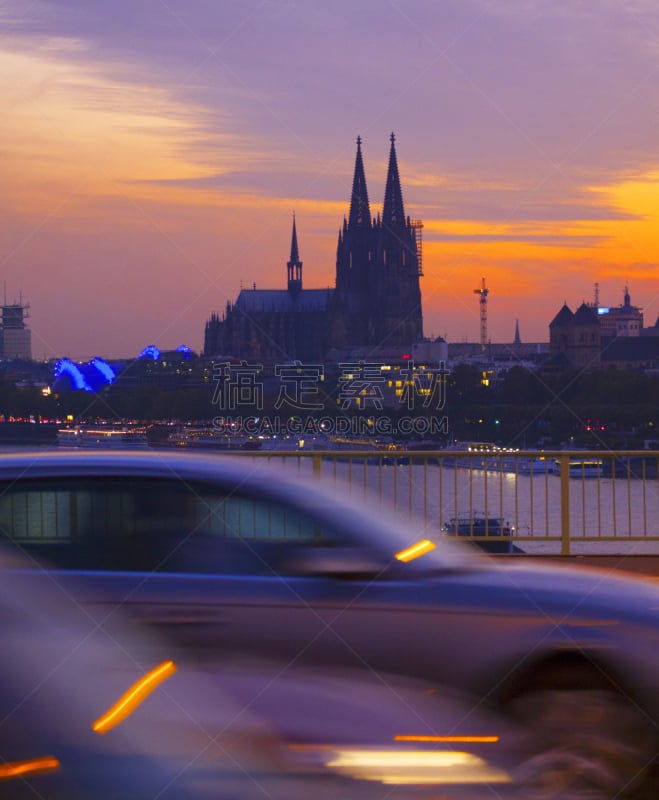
(294, 266)
(360, 212)
(518, 338)
(393, 213)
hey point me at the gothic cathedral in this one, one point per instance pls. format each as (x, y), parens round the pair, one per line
(376, 302)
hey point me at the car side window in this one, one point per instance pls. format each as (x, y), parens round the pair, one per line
(236, 516)
(155, 525)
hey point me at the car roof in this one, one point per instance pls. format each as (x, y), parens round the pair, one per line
(248, 474)
(138, 460)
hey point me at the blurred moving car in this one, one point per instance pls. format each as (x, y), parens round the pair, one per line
(228, 560)
(83, 716)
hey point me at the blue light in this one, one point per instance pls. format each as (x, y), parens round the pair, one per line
(104, 368)
(603, 310)
(65, 368)
(183, 348)
(90, 377)
(150, 351)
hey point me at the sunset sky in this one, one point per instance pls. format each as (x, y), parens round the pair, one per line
(154, 151)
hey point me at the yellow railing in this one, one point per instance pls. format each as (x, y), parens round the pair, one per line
(553, 502)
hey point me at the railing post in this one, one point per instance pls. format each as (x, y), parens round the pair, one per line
(316, 465)
(564, 462)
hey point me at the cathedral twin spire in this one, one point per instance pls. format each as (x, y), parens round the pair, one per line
(377, 298)
(360, 211)
(393, 213)
(355, 240)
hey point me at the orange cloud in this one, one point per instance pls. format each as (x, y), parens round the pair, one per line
(68, 133)
(531, 267)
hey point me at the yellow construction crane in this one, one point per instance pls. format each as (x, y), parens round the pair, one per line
(483, 291)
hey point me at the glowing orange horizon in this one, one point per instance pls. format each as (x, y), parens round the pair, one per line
(90, 155)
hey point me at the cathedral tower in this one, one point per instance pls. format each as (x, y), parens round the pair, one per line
(378, 298)
(349, 322)
(396, 318)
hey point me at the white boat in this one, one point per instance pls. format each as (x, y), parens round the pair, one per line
(585, 468)
(384, 453)
(494, 458)
(211, 439)
(534, 465)
(103, 438)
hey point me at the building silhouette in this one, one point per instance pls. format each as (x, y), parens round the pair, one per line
(575, 337)
(624, 320)
(15, 336)
(602, 336)
(273, 324)
(375, 304)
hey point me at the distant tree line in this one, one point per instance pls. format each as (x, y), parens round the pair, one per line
(602, 408)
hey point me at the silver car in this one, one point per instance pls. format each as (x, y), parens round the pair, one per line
(231, 560)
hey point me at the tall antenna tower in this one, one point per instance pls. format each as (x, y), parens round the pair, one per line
(483, 292)
(597, 295)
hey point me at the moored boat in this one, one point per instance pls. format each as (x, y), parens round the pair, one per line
(490, 457)
(207, 438)
(478, 525)
(584, 468)
(103, 438)
(492, 534)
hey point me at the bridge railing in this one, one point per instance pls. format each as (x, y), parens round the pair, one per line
(553, 502)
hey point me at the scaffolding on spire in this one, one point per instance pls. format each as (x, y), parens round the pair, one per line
(417, 228)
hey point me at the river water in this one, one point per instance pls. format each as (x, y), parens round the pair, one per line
(607, 515)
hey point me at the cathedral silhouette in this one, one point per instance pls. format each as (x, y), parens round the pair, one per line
(375, 305)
